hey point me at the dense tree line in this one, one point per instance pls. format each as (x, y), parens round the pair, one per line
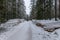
(10, 9)
(45, 9)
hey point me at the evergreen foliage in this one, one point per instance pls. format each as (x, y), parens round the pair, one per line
(9, 9)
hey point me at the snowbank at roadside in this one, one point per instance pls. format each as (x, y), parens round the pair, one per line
(12, 22)
(48, 24)
(39, 33)
(4, 27)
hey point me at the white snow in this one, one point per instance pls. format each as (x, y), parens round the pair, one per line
(48, 23)
(27, 30)
(19, 32)
(15, 20)
(40, 34)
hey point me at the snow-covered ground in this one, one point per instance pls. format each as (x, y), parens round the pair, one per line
(17, 29)
(48, 23)
(39, 33)
(19, 32)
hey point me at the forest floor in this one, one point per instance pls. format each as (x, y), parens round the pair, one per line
(20, 29)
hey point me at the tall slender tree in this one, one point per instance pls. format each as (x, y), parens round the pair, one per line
(43, 8)
(55, 10)
(50, 6)
(59, 9)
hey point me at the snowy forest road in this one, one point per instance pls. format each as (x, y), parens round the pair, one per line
(20, 32)
(27, 30)
(24, 33)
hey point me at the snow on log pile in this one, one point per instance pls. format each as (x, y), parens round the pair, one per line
(39, 33)
(48, 25)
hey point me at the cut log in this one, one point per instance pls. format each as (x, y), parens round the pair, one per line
(40, 25)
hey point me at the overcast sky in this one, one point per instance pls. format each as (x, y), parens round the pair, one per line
(27, 4)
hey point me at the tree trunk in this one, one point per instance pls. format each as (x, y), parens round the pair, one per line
(59, 9)
(55, 10)
(43, 8)
(50, 2)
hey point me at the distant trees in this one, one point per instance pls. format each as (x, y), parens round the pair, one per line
(33, 9)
